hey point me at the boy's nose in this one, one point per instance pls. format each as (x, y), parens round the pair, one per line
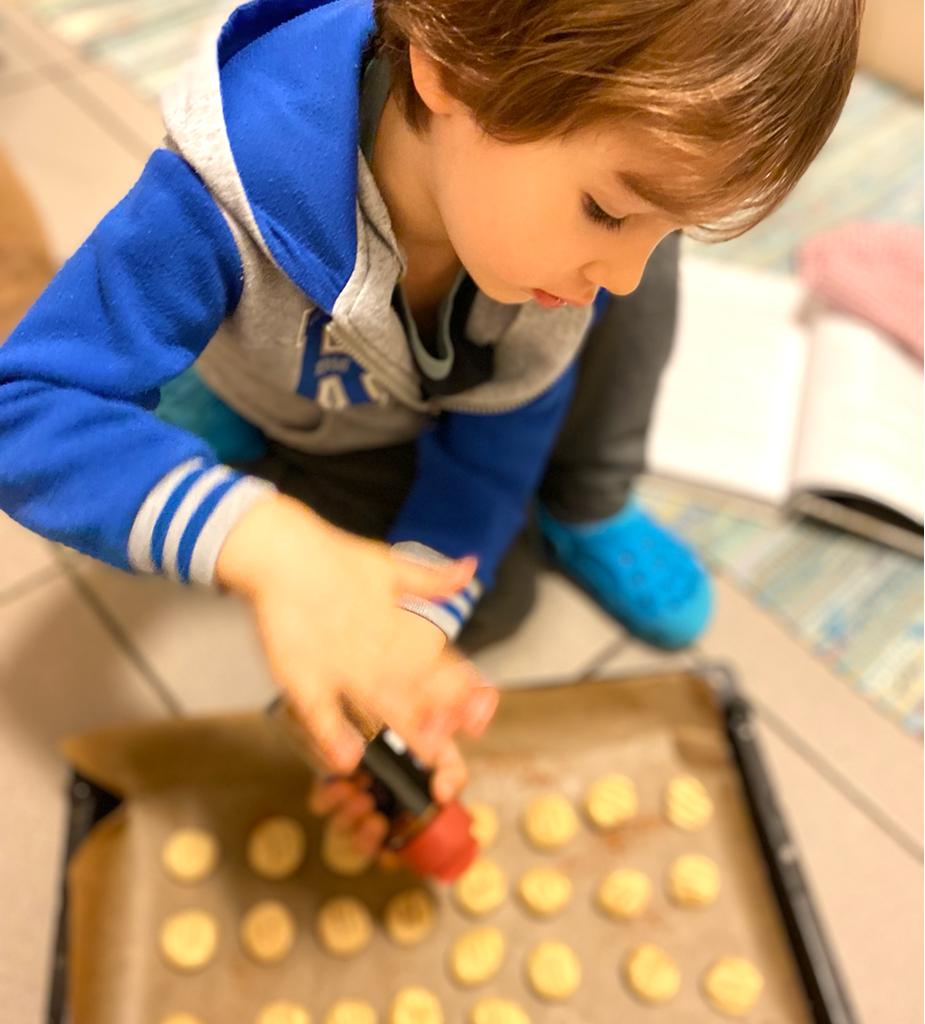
(621, 270)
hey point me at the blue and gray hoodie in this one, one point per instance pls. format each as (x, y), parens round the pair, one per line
(257, 245)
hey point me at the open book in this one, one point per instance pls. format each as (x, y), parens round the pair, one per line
(805, 409)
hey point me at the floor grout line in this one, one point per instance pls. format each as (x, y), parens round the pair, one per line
(856, 797)
(119, 635)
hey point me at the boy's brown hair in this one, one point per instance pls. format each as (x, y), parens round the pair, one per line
(741, 93)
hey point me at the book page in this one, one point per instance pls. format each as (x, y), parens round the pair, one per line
(861, 433)
(728, 405)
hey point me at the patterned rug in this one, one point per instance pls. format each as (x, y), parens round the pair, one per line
(857, 605)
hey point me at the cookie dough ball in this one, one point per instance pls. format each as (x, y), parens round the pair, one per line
(497, 1011)
(482, 888)
(484, 824)
(344, 926)
(350, 1011)
(188, 939)
(477, 956)
(545, 890)
(181, 1018)
(283, 1011)
(410, 916)
(687, 803)
(550, 822)
(340, 854)
(693, 881)
(268, 932)
(651, 974)
(624, 894)
(733, 985)
(611, 801)
(554, 971)
(276, 847)
(190, 855)
(415, 1005)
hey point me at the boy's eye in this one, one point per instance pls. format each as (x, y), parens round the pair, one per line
(599, 216)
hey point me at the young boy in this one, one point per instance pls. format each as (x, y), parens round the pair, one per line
(382, 240)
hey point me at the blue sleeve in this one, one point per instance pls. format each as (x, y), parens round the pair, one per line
(81, 454)
(476, 476)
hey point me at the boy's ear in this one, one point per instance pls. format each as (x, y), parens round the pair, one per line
(425, 72)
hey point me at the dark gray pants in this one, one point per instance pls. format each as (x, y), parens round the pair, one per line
(599, 451)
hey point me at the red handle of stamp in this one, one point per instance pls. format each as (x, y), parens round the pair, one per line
(445, 847)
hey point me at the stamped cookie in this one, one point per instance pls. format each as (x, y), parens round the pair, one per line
(415, 1005)
(482, 888)
(693, 881)
(344, 926)
(545, 890)
(611, 801)
(651, 974)
(550, 822)
(284, 1011)
(350, 1011)
(276, 847)
(493, 1010)
(190, 855)
(484, 824)
(733, 985)
(687, 803)
(624, 894)
(268, 932)
(554, 971)
(409, 916)
(188, 939)
(477, 955)
(340, 854)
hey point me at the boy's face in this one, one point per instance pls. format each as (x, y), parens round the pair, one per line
(541, 216)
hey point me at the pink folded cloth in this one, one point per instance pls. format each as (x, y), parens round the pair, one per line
(873, 271)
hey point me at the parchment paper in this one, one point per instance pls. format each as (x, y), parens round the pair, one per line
(226, 774)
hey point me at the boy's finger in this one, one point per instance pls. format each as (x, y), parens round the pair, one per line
(325, 796)
(450, 774)
(431, 580)
(479, 709)
(356, 807)
(337, 743)
(370, 834)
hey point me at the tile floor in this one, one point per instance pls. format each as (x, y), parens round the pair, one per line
(81, 644)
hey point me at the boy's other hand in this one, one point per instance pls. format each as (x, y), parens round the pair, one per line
(326, 605)
(353, 811)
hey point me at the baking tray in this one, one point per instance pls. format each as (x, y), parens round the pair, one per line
(777, 908)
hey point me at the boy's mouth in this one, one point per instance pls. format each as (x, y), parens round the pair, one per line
(551, 301)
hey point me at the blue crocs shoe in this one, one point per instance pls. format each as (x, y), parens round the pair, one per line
(638, 571)
(187, 402)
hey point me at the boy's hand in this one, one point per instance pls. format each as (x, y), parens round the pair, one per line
(326, 604)
(353, 811)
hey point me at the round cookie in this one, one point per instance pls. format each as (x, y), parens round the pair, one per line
(733, 985)
(693, 881)
(554, 971)
(409, 916)
(344, 926)
(610, 801)
(350, 1011)
(276, 847)
(624, 894)
(550, 821)
(687, 803)
(415, 1005)
(651, 974)
(493, 1010)
(267, 932)
(189, 855)
(481, 888)
(340, 854)
(477, 955)
(283, 1011)
(181, 1018)
(188, 939)
(545, 890)
(484, 824)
